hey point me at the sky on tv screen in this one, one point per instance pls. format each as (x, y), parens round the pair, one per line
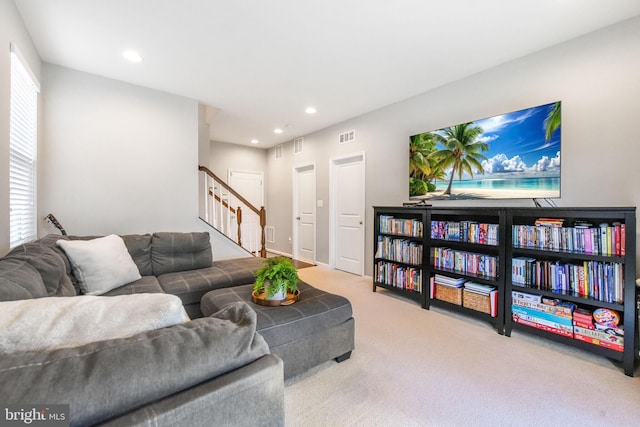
(517, 143)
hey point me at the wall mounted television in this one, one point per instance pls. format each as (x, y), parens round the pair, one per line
(510, 156)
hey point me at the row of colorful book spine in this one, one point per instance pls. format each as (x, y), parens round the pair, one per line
(566, 319)
(400, 250)
(401, 226)
(465, 231)
(464, 262)
(608, 240)
(402, 277)
(602, 281)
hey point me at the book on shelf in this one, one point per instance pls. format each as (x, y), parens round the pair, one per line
(603, 281)
(560, 309)
(398, 249)
(550, 222)
(464, 262)
(604, 239)
(599, 338)
(526, 297)
(543, 325)
(542, 316)
(465, 231)
(479, 288)
(583, 317)
(453, 282)
(402, 277)
(493, 299)
(582, 324)
(388, 224)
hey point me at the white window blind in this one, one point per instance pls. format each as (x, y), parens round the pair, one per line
(23, 129)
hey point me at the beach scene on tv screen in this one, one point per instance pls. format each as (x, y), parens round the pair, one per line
(510, 156)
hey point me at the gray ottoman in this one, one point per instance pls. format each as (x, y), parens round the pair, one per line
(317, 328)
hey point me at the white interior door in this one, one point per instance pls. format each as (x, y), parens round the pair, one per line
(348, 207)
(304, 213)
(250, 186)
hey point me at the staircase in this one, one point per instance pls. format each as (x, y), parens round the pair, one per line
(231, 214)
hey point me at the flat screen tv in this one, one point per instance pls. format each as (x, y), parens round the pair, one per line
(509, 156)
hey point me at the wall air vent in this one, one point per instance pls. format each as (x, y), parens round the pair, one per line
(297, 145)
(270, 234)
(278, 151)
(345, 137)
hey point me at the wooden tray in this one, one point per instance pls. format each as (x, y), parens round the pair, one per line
(258, 298)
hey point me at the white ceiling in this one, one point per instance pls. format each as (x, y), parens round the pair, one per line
(260, 63)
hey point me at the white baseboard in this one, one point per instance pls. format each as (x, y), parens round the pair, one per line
(273, 251)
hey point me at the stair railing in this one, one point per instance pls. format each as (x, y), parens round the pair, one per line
(220, 214)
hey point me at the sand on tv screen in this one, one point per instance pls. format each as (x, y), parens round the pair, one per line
(510, 156)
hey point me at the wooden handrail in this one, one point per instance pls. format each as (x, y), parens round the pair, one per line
(260, 212)
(219, 200)
(229, 189)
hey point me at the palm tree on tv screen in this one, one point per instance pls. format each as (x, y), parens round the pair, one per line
(422, 165)
(462, 151)
(552, 122)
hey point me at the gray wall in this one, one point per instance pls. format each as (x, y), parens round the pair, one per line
(224, 156)
(595, 77)
(119, 158)
(12, 30)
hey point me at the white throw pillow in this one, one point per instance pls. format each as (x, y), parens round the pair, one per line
(100, 264)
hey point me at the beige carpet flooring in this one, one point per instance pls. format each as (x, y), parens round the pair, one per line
(415, 367)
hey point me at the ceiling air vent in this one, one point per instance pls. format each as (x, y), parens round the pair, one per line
(297, 145)
(279, 151)
(349, 136)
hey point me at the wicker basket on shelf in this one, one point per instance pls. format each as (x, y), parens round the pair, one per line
(448, 294)
(476, 301)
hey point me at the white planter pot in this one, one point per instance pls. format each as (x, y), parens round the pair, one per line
(282, 294)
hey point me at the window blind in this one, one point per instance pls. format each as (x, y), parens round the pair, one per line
(23, 128)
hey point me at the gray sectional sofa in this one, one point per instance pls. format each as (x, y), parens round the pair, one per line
(213, 370)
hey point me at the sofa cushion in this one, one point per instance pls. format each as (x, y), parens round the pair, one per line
(58, 322)
(100, 264)
(104, 379)
(144, 285)
(139, 246)
(191, 285)
(49, 263)
(19, 280)
(241, 270)
(171, 252)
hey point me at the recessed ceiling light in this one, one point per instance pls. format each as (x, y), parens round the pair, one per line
(310, 110)
(254, 141)
(277, 130)
(132, 55)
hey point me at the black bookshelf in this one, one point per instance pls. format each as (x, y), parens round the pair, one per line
(504, 249)
(576, 254)
(473, 240)
(399, 228)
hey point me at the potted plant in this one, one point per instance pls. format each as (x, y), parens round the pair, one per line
(276, 276)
